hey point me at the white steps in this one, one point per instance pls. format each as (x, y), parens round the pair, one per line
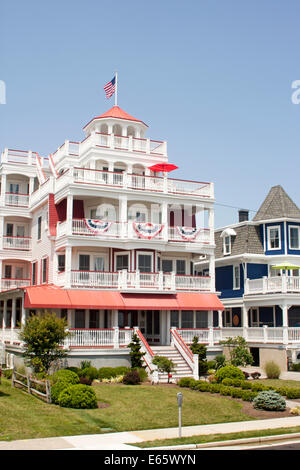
(181, 367)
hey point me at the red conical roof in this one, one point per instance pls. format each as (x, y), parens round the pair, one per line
(117, 113)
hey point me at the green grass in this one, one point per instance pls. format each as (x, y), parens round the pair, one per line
(204, 439)
(131, 408)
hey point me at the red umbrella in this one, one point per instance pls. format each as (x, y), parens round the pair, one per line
(165, 167)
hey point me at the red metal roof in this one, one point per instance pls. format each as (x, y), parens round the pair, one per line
(50, 296)
(117, 113)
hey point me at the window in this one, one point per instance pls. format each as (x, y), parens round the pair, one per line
(175, 318)
(187, 319)
(44, 269)
(7, 271)
(79, 318)
(19, 273)
(274, 241)
(145, 263)
(180, 266)
(33, 275)
(167, 265)
(61, 260)
(9, 230)
(94, 319)
(20, 231)
(121, 262)
(202, 319)
(39, 227)
(236, 277)
(294, 237)
(84, 262)
(227, 245)
(99, 264)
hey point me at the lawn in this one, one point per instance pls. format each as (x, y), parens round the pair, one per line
(129, 408)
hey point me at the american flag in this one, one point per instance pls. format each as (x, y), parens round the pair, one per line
(110, 88)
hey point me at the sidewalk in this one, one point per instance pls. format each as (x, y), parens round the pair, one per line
(124, 440)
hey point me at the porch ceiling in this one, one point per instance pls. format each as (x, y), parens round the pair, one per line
(48, 297)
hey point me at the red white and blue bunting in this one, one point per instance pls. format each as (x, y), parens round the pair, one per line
(97, 226)
(147, 230)
(188, 233)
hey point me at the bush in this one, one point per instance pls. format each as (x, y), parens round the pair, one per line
(132, 378)
(292, 393)
(230, 372)
(85, 381)
(142, 373)
(269, 400)
(220, 361)
(202, 386)
(57, 388)
(224, 390)
(272, 370)
(106, 373)
(295, 367)
(186, 382)
(78, 396)
(248, 395)
(90, 373)
(65, 375)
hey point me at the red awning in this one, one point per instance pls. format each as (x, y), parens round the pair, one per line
(48, 297)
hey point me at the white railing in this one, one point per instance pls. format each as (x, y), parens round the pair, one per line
(127, 280)
(130, 230)
(272, 284)
(7, 284)
(98, 337)
(17, 243)
(18, 200)
(188, 334)
(190, 358)
(142, 182)
(148, 356)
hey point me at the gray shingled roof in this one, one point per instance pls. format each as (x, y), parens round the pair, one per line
(247, 240)
(277, 205)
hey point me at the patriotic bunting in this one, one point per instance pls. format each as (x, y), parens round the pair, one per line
(97, 226)
(188, 233)
(147, 230)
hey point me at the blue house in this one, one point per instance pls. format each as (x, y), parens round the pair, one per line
(257, 266)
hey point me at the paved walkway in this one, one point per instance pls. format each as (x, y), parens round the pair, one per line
(125, 440)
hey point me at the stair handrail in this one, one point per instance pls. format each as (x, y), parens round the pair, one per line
(149, 355)
(190, 358)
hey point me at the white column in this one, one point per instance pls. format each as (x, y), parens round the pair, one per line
(212, 273)
(123, 214)
(245, 321)
(69, 213)
(164, 219)
(114, 314)
(13, 314)
(3, 189)
(4, 314)
(211, 225)
(31, 184)
(68, 266)
(220, 318)
(23, 314)
(285, 323)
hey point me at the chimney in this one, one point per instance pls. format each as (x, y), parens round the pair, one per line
(243, 215)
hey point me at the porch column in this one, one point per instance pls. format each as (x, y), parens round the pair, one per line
(4, 314)
(123, 215)
(13, 313)
(69, 318)
(114, 319)
(211, 225)
(164, 219)
(1, 233)
(220, 318)
(212, 273)
(285, 322)
(69, 213)
(210, 319)
(23, 314)
(31, 184)
(245, 322)
(3, 189)
(68, 266)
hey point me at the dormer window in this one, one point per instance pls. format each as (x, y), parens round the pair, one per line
(274, 239)
(227, 235)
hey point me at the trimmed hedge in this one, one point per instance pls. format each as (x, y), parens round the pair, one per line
(78, 396)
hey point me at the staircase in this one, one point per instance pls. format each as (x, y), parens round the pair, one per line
(181, 367)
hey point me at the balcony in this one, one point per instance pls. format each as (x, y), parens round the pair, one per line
(108, 230)
(272, 285)
(17, 243)
(131, 281)
(17, 200)
(8, 284)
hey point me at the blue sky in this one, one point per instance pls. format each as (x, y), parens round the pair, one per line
(213, 78)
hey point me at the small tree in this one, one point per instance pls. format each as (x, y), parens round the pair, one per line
(200, 349)
(239, 351)
(136, 354)
(42, 336)
(164, 365)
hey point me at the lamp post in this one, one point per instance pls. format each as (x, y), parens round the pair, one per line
(179, 401)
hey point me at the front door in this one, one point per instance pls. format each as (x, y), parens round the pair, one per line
(152, 326)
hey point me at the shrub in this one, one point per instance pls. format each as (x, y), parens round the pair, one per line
(272, 370)
(211, 365)
(224, 390)
(132, 378)
(292, 393)
(57, 388)
(246, 385)
(269, 400)
(65, 375)
(78, 396)
(203, 386)
(121, 370)
(164, 365)
(220, 361)
(90, 373)
(295, 367)
(229, 371)
(106, 373)
(186, 382)
(248, 395)
(214, 388)
(142, 373)
(85, 381)
(237, 392)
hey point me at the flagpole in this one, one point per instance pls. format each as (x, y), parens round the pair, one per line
(116, 89)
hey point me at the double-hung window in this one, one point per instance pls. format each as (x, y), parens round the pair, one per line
(274, 241)
(236, 277)
(294, 239)
(227, 245)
